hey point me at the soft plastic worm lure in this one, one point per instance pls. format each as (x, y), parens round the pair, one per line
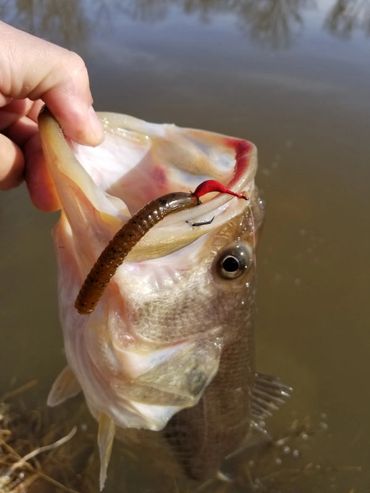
(127, 237)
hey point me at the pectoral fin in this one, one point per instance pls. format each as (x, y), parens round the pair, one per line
(268, 394)
(64, 387)
(106, 434)
(199, 364)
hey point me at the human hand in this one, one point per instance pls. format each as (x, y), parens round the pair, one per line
(33, 72)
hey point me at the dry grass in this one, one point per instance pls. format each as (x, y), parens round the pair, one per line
(38, 455)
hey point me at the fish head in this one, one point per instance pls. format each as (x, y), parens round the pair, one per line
(184, 292)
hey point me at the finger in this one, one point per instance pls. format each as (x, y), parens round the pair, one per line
(4, 100)
(60, 79)
(35, 109)
(40, 185)
(66, 103)
(11, 164)
(14, 110)
(22, 130)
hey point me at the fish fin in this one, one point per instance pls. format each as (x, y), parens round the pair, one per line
(268, 394)
(256, 437)
(106, 433)
(64, 387)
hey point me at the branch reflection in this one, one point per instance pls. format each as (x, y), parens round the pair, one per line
(275, 23)
(347, 16)
(60, 21)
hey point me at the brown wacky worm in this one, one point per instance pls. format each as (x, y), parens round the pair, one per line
(123, 242)
(127, 237)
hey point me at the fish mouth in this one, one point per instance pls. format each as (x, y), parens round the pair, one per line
(100, 188)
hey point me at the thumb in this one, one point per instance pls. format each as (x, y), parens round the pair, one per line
(69, 100)
(34, 68)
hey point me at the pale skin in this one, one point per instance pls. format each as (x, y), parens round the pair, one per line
(34, 72)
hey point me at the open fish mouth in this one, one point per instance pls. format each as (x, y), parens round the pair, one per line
(137, 162)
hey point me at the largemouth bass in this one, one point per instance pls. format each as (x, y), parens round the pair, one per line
(169, 345)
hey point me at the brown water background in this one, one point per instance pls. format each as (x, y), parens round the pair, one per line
(293, 76)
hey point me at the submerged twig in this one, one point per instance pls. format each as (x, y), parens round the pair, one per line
(19, 390)
(44, 448)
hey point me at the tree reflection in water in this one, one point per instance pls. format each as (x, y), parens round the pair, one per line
(347, 16)
(275, 23)
(61, 21)
(143, 10)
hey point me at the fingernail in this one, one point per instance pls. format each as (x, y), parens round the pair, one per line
(94, 130)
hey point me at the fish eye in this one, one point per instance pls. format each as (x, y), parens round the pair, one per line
(234, 261)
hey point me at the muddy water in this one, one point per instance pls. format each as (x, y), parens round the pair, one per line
(294, 77)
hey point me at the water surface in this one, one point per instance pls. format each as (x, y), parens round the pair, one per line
(293, 76)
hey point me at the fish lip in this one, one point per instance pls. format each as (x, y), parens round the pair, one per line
(62, 165)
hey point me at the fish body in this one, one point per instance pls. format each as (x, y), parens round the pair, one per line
(169, 344)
